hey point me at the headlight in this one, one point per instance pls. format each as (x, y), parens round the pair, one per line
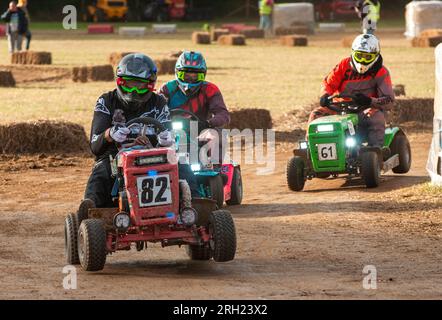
(350, 142)
(325, 128)
(303, 145)
(177, 126)
(122, 221)
(188, 217)
(144, 161)
(195, 167)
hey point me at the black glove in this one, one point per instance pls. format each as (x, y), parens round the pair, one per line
(203, 125)
(362, 100)
(325, 101)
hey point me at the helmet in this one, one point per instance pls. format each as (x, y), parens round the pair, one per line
(365, 52)
(136, 77)
(190, 72)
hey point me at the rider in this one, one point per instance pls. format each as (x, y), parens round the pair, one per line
(190, 91)
(363, 76)
(136, 76)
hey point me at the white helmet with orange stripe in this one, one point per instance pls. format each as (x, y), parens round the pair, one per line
(365, 52)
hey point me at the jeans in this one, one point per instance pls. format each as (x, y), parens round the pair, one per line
(266, 22)
(15, 41)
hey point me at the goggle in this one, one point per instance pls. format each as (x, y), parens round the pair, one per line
(139, 86)
(191, 76)
(364, 57)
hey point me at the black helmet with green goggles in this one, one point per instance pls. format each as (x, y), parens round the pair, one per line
(136, 77)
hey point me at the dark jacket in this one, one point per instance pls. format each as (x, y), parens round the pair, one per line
(104, 113)
(22, 21)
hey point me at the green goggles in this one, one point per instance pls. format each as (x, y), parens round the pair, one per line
(139, 86)
(191, 77)
(364, 57)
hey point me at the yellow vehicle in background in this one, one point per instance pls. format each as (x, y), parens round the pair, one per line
(105, 10)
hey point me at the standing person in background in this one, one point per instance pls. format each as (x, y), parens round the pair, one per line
(369, 11)
(23, 4)
(16, 26)
(265, 12)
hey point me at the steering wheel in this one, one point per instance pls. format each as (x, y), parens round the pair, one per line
(181, 113)
(347, 106)
(146, 123)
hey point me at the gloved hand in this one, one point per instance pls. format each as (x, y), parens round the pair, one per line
(165, 139)
(119, 133)
(325, 101)
(362, 100)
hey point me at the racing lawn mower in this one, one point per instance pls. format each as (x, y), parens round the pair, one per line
(222, 183)
(336, 145)
(153, 206)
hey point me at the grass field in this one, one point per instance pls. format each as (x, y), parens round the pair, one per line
(262, 74)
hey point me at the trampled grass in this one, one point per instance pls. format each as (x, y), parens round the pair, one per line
(262, 74)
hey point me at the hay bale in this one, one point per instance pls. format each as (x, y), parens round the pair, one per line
(253, 33)
(419, 110)
(347, 42)
(201, 38)
(100, 28)
(175, 54)
(115, 57)
(132, 31)
(93, 73)
(43, 137)
(31, 57)
(232, 40)
(292, 30)
(100, 73)
(425, 42)
(399, 90)
(166, 65)
(431, 33)
(79, 74)
(294, 41)
(250, 119)
(6, 79)
(216, 33)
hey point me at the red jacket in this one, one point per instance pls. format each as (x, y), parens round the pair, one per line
(376, 83)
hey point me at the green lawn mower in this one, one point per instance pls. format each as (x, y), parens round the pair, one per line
(337, 146)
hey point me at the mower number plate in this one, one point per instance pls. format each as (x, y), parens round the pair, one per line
(327, 152)
(154, 191)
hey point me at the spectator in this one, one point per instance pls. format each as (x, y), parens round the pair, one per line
(22, 4)
(16, 26)
(265, 12)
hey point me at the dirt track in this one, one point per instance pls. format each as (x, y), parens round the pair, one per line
(290, 246)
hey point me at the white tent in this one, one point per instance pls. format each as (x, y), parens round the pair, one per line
(434, 165)
(422, 15)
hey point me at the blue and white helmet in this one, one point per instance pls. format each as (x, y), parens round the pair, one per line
(193, 62)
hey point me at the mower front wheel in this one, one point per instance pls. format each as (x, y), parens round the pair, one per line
(92, 245)
(70, 239)
(199, 253)
(401, 147)
(216, 185)
(371, 169)
(237, 189)
(295, 174)
(222, 236)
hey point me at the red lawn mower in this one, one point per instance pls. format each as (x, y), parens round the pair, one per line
(153, 206)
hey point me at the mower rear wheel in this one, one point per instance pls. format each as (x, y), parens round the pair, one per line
(83, 210)
(401, 146)
(223, 236)
(70, 239)
(237, 189)
(92, 245)
(371, 169)
(199, 253)
(216, 185)
(295, 174)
